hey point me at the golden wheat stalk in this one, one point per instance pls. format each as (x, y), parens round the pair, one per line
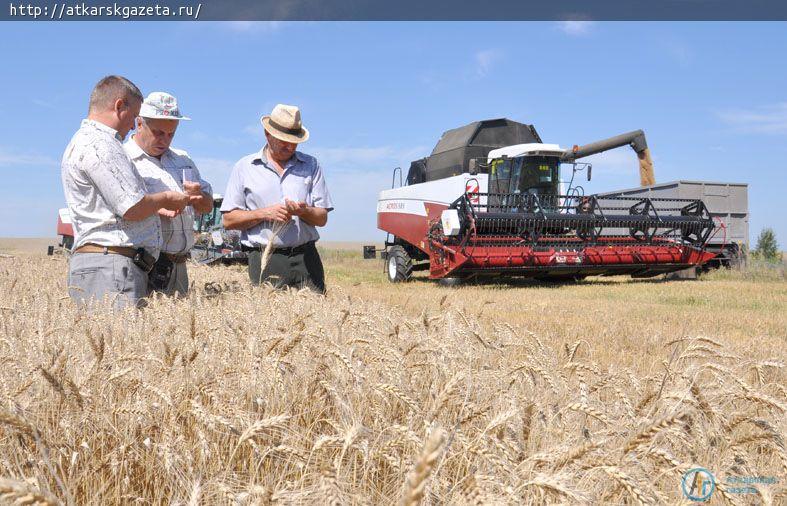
(557, 484)
(18, 492)
(17, 422)
(416, 479)
(628, 483)
(650, 431)
(259, 427)
(276, 229)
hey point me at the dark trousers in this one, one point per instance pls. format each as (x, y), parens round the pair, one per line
(298, 269)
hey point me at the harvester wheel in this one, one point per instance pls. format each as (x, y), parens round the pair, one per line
(400, 265)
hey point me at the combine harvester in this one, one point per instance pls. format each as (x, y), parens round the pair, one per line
(489, 201)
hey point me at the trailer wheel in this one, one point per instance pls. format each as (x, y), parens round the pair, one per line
(400, 265)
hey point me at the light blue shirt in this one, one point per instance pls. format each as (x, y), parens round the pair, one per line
(254, 184)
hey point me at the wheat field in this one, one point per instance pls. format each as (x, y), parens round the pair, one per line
(604, 392)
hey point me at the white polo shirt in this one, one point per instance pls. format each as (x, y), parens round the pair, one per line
(100, 184)
(166, 174)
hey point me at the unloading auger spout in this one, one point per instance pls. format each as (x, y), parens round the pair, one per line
(635, 139)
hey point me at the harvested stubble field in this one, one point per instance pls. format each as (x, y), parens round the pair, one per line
(604, 392)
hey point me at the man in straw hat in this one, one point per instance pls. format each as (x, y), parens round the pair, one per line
(167, 169)
(116, 223)
(278, 196)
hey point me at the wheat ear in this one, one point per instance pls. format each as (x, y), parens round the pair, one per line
(416, 480)
(17, 492)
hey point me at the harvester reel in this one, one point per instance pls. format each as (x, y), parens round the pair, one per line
(643, 232)
(696, 233)
(590, 231)
(530, 231)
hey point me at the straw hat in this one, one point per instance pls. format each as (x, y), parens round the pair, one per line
(285, 124)
(160, 105)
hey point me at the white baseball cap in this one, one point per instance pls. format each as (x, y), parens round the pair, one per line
(160, 105)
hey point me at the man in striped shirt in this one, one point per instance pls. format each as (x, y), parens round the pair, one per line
(164, 168)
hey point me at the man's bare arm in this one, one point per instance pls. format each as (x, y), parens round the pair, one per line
(239, 219)
(152, 202)
(315, 216)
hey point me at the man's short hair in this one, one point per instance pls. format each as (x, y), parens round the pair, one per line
(110, 89)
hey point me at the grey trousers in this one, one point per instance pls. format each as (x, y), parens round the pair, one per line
(178, 281)
(94, 277)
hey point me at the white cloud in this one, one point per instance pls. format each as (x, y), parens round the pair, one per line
(621, 161)
(201, 136)
(485, 60)
(255, 130)
(365, 158)
(216, 171)
(43, 103)
(770, 119)
(355, 177)
(575, 28)
(10, 158)
(350, 158)
(679, 51)
(354, 195)
(253, 26)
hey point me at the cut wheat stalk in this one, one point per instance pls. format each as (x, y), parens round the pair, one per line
(276, 229)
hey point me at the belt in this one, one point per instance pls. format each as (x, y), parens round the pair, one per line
(115, 250)
(176, 258)
(139, 256)
(294, 250)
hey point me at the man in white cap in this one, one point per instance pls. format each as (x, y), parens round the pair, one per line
(117, 229)
(167, 169)
(279, 194)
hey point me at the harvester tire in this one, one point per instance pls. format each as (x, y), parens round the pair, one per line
(399, 265)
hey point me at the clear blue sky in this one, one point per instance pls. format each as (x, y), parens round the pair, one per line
(712, 98)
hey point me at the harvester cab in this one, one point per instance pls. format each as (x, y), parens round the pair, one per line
(489, 201)
(212, 242)
(524, 169)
